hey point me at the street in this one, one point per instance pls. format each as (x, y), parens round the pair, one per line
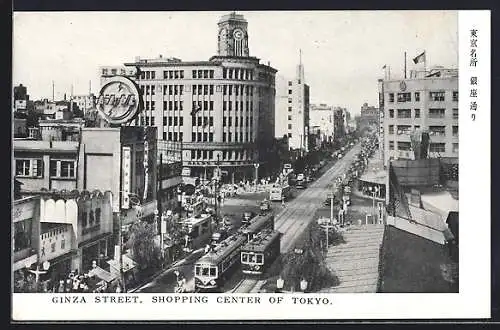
(291, 221)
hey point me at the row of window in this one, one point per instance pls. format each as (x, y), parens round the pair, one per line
(202, 137)
(433, 130)
(239, 74)
(433, 113)
(203, 89)
(34, 168)
(406, 97)
(202, 121)
(228, 105)
(203, 74)
(228, 137)
(203, 105)
(226, 154)
(173, 74)
(433, 147)
(228, 121)
(173, 136)
(175, 121)
(173, 105)
(147, 75)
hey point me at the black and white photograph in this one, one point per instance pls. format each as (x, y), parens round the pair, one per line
(275, 161)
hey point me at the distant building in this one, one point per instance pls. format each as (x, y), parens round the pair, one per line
(292, 110)
(321, 118)
(21, 98)
(339, 123)
(423, 104)
(369, 118)
(20, 127)
(84, 102)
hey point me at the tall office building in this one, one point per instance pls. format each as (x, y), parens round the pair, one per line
(292, 110)
(321, 117)
(222, 110)
(426, 103)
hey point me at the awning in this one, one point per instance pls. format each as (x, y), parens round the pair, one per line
(102, 274)
(441, 203)
(378, 177)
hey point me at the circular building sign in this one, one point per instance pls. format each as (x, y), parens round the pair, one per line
(119, 100)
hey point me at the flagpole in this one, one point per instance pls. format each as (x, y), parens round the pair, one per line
(425, 63)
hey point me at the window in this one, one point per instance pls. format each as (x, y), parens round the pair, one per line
(62, 168)
(436, 113)
(53, 247)
(224, 73)
(417, 113)
(181, 106)
(289, 126)
(175, 121)
(391, 129)
(181, 121)
(437, 130)
(289, 92)
(436, 96)
(176, 105)
(170, 136)
(210, 137)
(230, 104)
(224, 121)
(153, 90)
(152, 106)
(153, 77)
(181, 73)
(170, 120)
(391, 113)
(455, 147)
(224, 137)
(437, 147)
(194, 74)
(455, 113)
(289, 135)
(455, 96)
(289, 100)
(29, 167)
(152, 121)
(211, 91)
(164, 136)
(391, 145)
(404, 97)
(165, 105)
(404, 129)
(455, 130)
(63, 244)
(230, 121)
(198, 137)
(417, 96)
(200, 74)
(175, 136)
(289, 117)
(211, 121)
(193, 138)
(289, 109)
(404, 113)
(289, 83)
(391, 97)
(84, 219)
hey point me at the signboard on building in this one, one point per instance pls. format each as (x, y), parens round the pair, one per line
(119, 100)
(125, 177)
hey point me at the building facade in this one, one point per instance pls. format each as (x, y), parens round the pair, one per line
(292, 110)
(222, 110)
(321, 117)
(368, 118)
(426, 104)
(25, 231)
(339, 123)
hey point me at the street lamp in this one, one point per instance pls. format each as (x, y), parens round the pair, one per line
(256, 165)
(38, 272)
(179, 201)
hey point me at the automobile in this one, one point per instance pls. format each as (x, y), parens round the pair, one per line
(247, 216)
(340, 156)
(328, 201)
(300, 177)
(265, 206)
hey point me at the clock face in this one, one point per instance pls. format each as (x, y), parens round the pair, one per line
(238, 34)
(119, 100)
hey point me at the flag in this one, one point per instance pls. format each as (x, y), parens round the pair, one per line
(419, 58)
(385, 66)
(195, 111)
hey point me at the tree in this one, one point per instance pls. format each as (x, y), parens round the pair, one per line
(143, 243)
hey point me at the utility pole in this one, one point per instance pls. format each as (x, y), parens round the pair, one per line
(216, 190)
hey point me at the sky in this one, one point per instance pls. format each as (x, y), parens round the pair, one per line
(343, 52)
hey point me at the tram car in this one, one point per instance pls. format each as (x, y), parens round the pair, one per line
(257, 224)
(259, 254)
(211, 270)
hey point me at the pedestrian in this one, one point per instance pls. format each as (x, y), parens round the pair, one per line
(283, 202)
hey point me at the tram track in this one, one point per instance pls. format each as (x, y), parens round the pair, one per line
(294, 219)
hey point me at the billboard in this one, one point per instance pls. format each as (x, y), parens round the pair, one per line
(420, 172)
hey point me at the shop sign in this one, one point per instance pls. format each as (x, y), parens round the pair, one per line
(119, 100)
(23, 211)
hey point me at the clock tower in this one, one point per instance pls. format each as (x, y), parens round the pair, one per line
(233, 36)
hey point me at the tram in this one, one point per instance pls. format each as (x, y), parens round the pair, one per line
(259, 254)
(257, 224)
(211, 270)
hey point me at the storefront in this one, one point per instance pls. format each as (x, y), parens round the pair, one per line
(25, 231)
(95, 249)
